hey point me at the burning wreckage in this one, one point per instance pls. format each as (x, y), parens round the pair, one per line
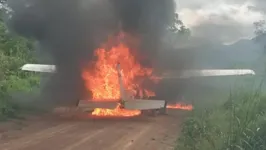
(72, 33)
(114, 85)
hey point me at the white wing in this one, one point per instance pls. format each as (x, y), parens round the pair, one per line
(208, 73)
(39, 68)
(184, 74)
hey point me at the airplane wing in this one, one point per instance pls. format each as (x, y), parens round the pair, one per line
(39, 68)
(208, 73)
(185, 74)
(142, 104)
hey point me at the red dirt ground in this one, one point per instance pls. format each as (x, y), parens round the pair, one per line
(53, 133)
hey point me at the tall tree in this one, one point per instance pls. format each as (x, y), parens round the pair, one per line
(176, 31)
(260, 31)
(179, 27)
(260, 27)
(2, 1)
(14, 52)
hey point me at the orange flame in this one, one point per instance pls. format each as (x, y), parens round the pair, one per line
(103, 80)
(117, 112)
(180, 106)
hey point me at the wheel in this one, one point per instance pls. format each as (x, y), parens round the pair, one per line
(155, 112)
(163, 110)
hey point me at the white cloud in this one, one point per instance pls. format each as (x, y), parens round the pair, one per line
(234, 18)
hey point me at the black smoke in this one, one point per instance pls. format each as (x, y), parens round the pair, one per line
(68, 31)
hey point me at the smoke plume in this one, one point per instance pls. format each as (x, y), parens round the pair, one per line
(68, 31)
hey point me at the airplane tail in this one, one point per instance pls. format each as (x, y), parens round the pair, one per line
(123, 92)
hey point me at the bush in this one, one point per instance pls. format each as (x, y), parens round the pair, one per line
(14, 52)
(240, 124)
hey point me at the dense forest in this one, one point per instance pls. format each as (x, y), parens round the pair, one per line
(14, 52)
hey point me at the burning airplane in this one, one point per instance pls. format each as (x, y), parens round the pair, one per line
(86, 39)
(117, 83)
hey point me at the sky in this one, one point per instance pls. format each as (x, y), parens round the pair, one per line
(223, 20)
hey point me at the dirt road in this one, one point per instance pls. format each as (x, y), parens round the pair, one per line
(142, 133)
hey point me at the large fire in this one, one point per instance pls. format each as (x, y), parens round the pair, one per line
(103, 80)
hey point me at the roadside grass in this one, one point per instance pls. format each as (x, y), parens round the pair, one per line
(235, 123)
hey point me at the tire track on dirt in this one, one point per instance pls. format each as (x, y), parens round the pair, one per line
(132, 135)
(72, 137)
(105, 139)
(35, 138)
(19, 128)
(88, 136)
(161, 136)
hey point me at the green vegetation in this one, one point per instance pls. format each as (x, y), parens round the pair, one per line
(14, 52)
(236, 123)
(225, 119)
